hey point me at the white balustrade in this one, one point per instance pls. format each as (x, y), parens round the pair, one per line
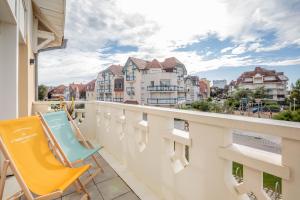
(156, 153)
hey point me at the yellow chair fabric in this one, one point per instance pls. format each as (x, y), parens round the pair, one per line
(27, 144)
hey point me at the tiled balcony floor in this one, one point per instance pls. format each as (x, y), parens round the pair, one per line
(105, 186)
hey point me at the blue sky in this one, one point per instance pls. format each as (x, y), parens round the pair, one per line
(216, 38)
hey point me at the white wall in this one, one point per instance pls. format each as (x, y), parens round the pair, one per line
(8, 71)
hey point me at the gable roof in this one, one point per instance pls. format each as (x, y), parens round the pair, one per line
(90, 86)
(153, 64)
(139, 63)
(81, 87)
(279, 76)
(115, 69)
(168, 63)
(58, 90)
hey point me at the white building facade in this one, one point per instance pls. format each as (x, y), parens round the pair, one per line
(275, 83)
(109, 84)
(153, 82)
(90, 91)
(192, 89)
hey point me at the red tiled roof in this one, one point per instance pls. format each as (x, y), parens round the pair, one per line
(141, 64)
(168, 63)
(203, 87)
(116, 69)
(154, 64)
(58, 90)
(81, 87)
(261, 71)
(90, 86)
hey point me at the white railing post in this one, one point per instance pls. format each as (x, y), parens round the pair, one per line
(210, 176)
(88, 126)
(291, 159)
(156, 160)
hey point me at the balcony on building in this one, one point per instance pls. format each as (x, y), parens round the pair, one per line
(118, 99)
(163, 88)
(107, 90)
(119, 84)
(162, 101)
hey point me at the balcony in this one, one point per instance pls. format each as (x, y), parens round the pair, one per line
(181, 98)
(162, 101)
(194, 164)
(108, 99)
(118, 89)
(107, 90)
(163, 88)
(181, 89)
(157, 160)
(100, 98)
(118, 99)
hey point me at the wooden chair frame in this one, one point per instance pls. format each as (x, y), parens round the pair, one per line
(81, 138)
(9, 162)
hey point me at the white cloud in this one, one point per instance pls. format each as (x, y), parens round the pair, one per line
(227, 49)
(158, 27)
(239, 50)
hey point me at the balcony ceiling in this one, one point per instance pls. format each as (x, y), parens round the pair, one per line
(51, 16)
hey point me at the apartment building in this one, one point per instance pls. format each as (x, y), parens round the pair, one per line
(90, 90)
(153, 82)
(192, 89)
(275, 83)
(204, 86)
(75, 92)
(26, 28)
(109, 84)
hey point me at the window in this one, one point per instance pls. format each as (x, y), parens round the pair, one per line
(165, 82)
(152, 83)
(130, 91)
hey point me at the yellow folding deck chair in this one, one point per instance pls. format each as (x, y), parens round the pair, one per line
(60, 127)
(26, 151)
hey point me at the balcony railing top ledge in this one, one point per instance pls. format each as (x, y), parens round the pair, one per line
(278, 128)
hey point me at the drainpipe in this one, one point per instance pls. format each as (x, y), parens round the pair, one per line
(36, 56)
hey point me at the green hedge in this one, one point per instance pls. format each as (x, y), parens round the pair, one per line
(288, 116)
(269, 180)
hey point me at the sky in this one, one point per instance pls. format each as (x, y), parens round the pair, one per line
(217, 39)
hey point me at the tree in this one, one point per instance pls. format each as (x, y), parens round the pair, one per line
(295, 93)
(243, 93)
(42, 92)
(260, 93)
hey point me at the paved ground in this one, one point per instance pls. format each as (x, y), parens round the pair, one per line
(270, 144)
(105, 186)
(258, 141)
